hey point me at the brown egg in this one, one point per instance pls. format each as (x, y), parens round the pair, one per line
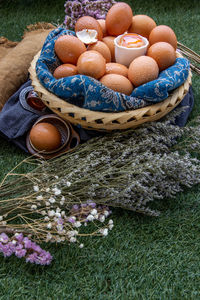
(142, 70)
(68, 48)
(91, 63)
(45, 137)
(109, 41)
(163, 33)
(102, 23)
(163, 53)
(142, 24)
(117, 83)
(87, 22)
(65, 70)
(101, 48)
(118, 18)
(115, 68)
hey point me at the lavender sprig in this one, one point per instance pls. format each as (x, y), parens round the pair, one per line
(78, 8)
(23, 247)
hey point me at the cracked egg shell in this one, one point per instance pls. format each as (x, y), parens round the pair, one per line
(87, 22)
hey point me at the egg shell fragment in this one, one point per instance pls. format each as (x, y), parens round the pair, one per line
(87, 22)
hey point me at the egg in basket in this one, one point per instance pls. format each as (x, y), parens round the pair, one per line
(111, 74)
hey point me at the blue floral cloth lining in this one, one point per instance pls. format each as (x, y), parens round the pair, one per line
(89, 93)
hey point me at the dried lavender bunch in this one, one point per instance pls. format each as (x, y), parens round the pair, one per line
(78, 8)
(125, 169)
(23, 247)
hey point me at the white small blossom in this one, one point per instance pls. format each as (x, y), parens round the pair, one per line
(56, 191)
(81, 245)
(43, 212)
(63, 198)
(62, 213)
(61, 202)
(58, 209)
(40, 197)
(14, 242)
(71, 233)
(72, 240)
(104, 231)
(49, 237)
(68, 183)
(49, 226)
(93, 212)
(4, 223)
(59, 227)
(110, 226)
(102, 218)
(52, 200)
(77, 224)
(47, 190)
(51, 213)
(57, 215)
(36, 188)
(47, 203)
(96, 216)
(46, 219)
(110, 222)
(1, 218)
(106, 213)
(34, 206)
(90, 217)
(56, 177)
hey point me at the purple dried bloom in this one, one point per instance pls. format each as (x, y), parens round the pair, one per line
(71, 220)
(60, 221)
(32, 258)
(19, 237)
(92, 204)
(75, 207)
(4, 238)
(20, 253)
(27, 243)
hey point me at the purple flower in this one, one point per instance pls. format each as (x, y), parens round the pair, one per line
(4, 238)
(20, 252)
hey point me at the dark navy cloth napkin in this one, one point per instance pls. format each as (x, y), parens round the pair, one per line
(17, 117)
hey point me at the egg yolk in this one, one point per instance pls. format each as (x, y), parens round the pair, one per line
(131, 40)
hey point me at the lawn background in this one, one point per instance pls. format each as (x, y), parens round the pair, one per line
(143, 257)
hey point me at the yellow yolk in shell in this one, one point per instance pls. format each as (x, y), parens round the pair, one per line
(131, 40)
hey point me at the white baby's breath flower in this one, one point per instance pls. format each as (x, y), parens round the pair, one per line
(36, 188)
(1, 218)
(49, 237)
(49, 226)
(43, 212)
(46, 219)
(106, 213)
(90, 217)
(93, 211)
(68, 183)
(34, 207)
(77, 224)
(104, 231)
(110, 226)
(40, 197)
(47, 203)
(56, 191)
(72, 233)
(62, 202)
(110, 222)
(63, 198)
(72, 240)
(81, 245)
(102, 218)
(51, 213)
(57, 215)
(56, 177)
(52, 200)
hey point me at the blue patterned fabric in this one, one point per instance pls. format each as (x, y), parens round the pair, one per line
(89, 93)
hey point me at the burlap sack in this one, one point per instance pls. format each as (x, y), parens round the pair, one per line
(15, 58)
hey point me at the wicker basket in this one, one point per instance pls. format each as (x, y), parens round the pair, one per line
(107, 121)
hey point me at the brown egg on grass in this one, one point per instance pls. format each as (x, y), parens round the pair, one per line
(87, 22)
(142, 25)
(163, 53)
(118, 83)
(142, 70)
(118, 18)
(68, 48)
(102, 48)
(115, 68)
(102, 23)
(45, 137)
(91, 63)
(65, 70)
(163, 33)
(109, 41)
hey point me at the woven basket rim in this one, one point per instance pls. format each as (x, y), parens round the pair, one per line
(107, 121)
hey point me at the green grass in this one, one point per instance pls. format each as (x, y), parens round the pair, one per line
(143, 257)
